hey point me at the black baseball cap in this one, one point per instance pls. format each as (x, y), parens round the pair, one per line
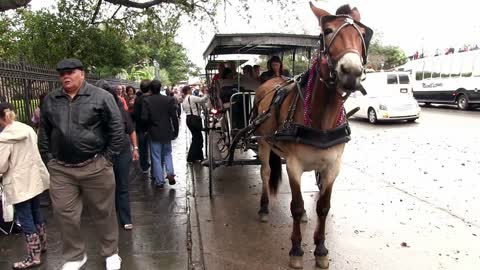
(69, 64)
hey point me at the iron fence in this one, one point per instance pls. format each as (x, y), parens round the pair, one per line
(22, 84)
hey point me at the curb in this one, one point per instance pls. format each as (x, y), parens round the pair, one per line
(194, 244)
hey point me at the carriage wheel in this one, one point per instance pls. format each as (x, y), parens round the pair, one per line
(206, 142)
(211, 164)
(206, 130)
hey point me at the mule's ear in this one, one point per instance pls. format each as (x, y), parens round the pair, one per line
(318, 11)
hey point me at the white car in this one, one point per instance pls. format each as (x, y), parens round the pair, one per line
(389, 97)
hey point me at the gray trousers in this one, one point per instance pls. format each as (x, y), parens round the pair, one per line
(93, 184)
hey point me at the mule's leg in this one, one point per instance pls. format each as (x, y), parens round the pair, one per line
(264, 156)
(323, 206)
(328, 177)
(297, 209)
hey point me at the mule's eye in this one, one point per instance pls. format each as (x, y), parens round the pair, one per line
(327, 31)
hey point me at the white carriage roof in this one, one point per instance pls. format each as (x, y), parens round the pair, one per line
(259, 44)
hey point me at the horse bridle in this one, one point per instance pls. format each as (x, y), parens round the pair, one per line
(325, 48)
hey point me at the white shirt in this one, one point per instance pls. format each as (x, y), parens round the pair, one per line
(193, 104)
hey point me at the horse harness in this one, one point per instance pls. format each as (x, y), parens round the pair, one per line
(298, 133)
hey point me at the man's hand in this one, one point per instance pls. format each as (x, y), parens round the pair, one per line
(135, 155)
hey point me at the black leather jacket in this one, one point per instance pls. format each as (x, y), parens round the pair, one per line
(75, 130)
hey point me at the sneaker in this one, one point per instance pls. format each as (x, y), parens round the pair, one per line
(171, 179)
(75, 265)
(159, 185)
(113, 262)
(128, 227)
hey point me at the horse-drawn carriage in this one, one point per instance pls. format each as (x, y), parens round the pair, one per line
(232, 99)
(299, 119)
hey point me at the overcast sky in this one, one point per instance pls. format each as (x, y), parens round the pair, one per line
(410, 24)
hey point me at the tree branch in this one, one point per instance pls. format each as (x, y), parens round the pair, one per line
(97, 9)
(12, 4)
(115, 13)
(148, 4)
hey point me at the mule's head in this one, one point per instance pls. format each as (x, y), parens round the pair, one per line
(344, 47)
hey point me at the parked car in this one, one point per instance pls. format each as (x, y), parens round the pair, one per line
(389, 98)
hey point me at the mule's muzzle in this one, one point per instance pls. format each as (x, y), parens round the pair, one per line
(350, 71)
(349, 83)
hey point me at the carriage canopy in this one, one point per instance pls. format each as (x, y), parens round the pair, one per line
(259, 44)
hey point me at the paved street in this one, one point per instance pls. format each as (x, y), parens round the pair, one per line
(415, 184)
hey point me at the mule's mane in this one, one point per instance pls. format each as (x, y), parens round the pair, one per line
(344, 10)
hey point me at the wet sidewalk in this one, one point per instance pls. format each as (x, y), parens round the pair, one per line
(159, 240)
(390, 209)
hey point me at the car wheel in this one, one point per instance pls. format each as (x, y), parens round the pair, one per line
(427, 104)
(412, 120)
(462, 102)
(372, 116)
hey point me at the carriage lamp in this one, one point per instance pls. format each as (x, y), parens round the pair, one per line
(382, 107)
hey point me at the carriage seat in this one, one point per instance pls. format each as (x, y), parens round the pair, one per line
(228, 87)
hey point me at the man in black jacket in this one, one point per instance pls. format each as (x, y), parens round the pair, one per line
(160, 115)
(141, 128)
(81, 130)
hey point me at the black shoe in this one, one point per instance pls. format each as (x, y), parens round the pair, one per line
(159, 186)
(171, 179)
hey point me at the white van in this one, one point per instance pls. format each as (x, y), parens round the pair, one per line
(389, 97)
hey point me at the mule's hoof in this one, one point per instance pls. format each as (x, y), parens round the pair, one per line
(322, 261)
(296, 262)
(304, 218)
(263, 218)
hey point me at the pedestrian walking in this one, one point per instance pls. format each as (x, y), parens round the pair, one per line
(191, 106)
(121, 94)
(81, 131)
(160, 115)
(122, 162)
(25, 177)
(141, 127)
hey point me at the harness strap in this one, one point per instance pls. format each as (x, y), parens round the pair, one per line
(317, 138)
(291, 109)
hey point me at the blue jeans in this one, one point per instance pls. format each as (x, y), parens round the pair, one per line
(161, 154)
(28, 214)
(121, 168)
(142, 138)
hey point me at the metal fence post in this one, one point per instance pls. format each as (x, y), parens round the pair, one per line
(27, 88)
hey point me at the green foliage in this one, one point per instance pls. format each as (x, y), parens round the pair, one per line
(389, 56)
(107, 45)
(164, 77)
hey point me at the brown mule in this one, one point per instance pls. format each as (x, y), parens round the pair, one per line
(338, 73)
